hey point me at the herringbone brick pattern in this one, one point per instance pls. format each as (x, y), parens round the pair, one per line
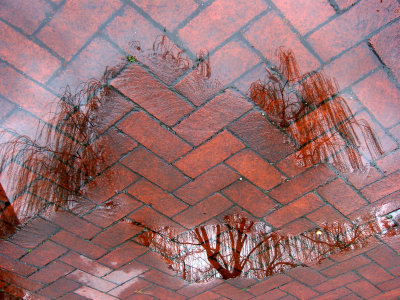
(187, 146)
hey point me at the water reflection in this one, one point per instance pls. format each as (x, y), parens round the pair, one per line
(240, 247)
(308, 108)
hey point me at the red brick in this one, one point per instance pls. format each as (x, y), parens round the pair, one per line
(274, 294)
(270, 33)
(85, 264)
(364, 289)
(379, 95)
(154, 169)
(222, 18)
(291, 165)
(345, 3)
(156, 51)
(384, 45)
(163, 279)
(382, 187)
(303, 183)
(118, 207)
(90, 63)
(269, 284)
(116, 234)
(336, 282)
(90, 293)
(324, 215)
(6, 108)
(15, 266)
(73, 296)
(74, 24)
(65, 219)
(25, 93)
(340, 293)
(299, 290)
(158, 100)
(388, 295)
(294, 210)
(105, 186)
(131, 287)
(81, 246)
(231, 292)
(168, 16)
(346, 30)
(384, 256)
(225, 65)
(346, 266)
(210, 182)
(34, 233)
(363, 177)
(25, 15)
(158, 290)
(250, 198)
(299, 12)
(297, 227)
(203, 211)
(212, 117)
(395, 131)
(192, 290)
(207, 296)
(150, 218)
(307, 276)
(342, 197)
(26, 55)
(374, 273)
(11, 277)
(389, 285)
(44, 254)
(11, 250)
(154, 137)
(209, 154)
(351, 66)
(122, 255)
(59, 288)
(126, 272)
(91, 281)
(51, 272)
(389, 163)
(261, 136)
(255, 169)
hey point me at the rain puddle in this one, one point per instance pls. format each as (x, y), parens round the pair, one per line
(71, 163)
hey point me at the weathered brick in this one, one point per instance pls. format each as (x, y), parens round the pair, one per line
(301, 184)
(231, 292)
(336, 282)
(382, 187)
(126, 272)
(209, 154)
(352, 26)
(203, 211)
(270, 33)
(222, 18)
(342, 197)
(346, 266)
(163, 279)
(154, 137)
(364, 289)
(380, 96)
(324, 215)
(212, 117)
(255, 169)
(74, 24)
(250, 198)
(130, 287)
(374, 273)
(59, 288)
(294, 210)
(384, 256)
(15, 266)
(25, 93)
(51, 272)
(151, 167)
(261, 136)
(210, 182)
(389, 163)
(152, 195)
(81, 246)
(299, 290)
(307, 276)
(169, 16)
(11, 250)
(90, 293)
(269, 284)
(299, 13)
(223, 67)
(44, 254)
(91, 281)
(85, 264)
(123, 254)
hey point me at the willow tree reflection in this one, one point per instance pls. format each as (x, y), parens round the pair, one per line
(240, 247)
(308, 108)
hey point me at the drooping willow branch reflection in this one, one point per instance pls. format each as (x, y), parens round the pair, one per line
(240, 247)
(308, 108)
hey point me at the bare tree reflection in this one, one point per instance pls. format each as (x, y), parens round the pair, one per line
(308, 108)
(243, 248)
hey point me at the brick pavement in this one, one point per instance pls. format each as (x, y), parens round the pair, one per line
(187, 146)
